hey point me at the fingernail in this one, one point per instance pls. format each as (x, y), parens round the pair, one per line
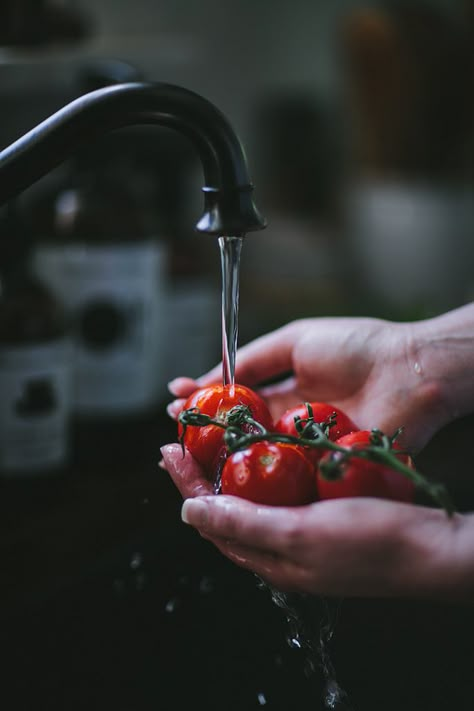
(168, 453)
(172, 384)
(174, 408)
(195, 513)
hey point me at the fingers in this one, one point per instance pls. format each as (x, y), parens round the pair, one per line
(281, 396)
(280, 573)
(349, 547)
(265, 357)
(182, 387)
(174, 408)
(248, 524)
(185, 472)
(188, 478)
(344, 546)
(338, 524)
(260, 360)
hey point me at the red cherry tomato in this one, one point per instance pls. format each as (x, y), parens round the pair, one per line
(321, 412)
(361, 477)
(270, 473)
(206, 444)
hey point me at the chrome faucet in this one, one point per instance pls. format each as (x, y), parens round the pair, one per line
(229, 207)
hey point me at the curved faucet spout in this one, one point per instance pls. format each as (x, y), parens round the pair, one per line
(228, 200)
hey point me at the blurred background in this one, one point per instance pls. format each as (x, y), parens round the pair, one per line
(358, 124)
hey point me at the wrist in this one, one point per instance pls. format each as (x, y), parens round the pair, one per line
(441, 356)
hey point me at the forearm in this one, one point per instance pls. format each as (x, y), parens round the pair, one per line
(443, 357)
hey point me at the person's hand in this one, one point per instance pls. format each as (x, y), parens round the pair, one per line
(344, 547)
(384, 375)
(372, 369)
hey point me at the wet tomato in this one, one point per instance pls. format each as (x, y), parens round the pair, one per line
(270, 473)
(361, 477)
(321, 412)
(206, 443)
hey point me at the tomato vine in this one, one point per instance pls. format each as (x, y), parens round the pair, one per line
(314, 434)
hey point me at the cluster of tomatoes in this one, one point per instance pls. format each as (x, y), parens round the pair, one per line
(280, 473)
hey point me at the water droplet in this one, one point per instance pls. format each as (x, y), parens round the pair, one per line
(172, 604)
(136, 561)
(335, 698)
(261, 699)
(279, 600)
(331, 699)
(417, 368)
(309, 668)
(294, 642)
(206, 585)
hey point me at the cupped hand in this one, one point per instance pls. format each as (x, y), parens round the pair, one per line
(384, 375)
(346, 547)
(369, 368)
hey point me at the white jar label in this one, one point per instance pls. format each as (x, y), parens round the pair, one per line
(113, 294)
(34, 407)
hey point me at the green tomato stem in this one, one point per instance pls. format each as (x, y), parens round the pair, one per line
(236, 439)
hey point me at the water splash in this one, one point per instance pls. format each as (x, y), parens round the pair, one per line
(315, 645)
(261, 698)
(206, 585)
(136, 561)
(172, 604)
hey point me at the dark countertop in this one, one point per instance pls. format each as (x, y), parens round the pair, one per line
(110, 602)
(57, 527)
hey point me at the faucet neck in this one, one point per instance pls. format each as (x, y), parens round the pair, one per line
(229, 205)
